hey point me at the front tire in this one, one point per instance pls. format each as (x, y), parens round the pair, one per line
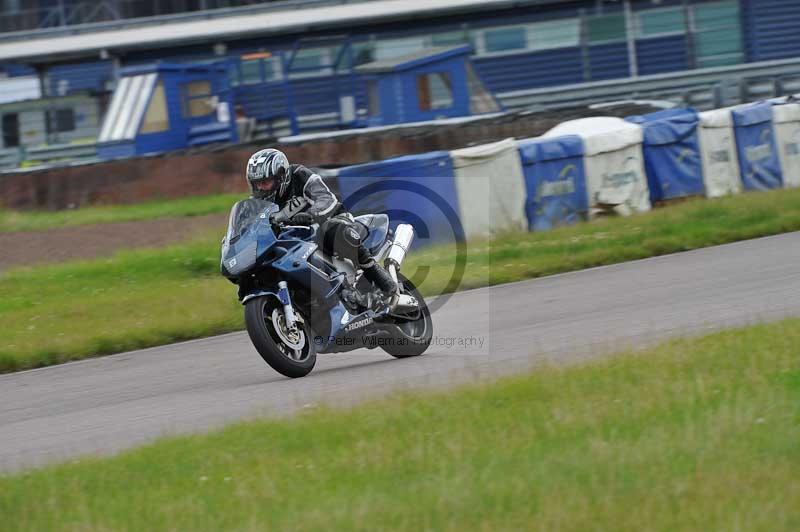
(411, 337)
(289, 353)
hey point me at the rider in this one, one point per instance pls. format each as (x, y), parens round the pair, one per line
(304, 199)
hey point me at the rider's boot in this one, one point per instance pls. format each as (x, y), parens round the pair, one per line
(375, 273)
(378, 276)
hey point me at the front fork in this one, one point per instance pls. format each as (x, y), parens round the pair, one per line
(288, 311)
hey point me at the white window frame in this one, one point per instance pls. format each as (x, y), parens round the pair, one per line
(638, 23)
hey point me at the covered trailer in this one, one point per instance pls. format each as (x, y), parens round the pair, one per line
(163, 107)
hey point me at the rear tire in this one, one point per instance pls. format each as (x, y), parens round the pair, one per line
(411, 337)
(271, 339)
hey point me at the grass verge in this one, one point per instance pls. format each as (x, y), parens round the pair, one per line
(39, 220)
(700, 434)
(55, 313)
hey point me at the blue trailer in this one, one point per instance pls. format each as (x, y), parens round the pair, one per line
(162, 107)
(431, 84)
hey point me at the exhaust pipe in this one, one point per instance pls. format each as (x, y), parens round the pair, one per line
(403, 237)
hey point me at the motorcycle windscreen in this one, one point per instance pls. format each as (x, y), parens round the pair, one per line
(240, 246)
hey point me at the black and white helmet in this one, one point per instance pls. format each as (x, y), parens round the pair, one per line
(268, 174)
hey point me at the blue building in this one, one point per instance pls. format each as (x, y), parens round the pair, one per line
(289, 64)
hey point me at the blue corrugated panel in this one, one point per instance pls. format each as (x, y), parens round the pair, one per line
(15, 69)
(772, 28)
(662, 54)
(609, 61)
(262, 101)
(524, 71)
(67, 79)
(319, 94)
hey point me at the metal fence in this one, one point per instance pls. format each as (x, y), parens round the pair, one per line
(703, 89)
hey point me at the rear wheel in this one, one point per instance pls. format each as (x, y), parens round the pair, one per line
(289, 352)
(412, 332)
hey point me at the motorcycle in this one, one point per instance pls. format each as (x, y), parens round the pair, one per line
(300, 301)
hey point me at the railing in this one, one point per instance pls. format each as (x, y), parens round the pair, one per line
(703, 89)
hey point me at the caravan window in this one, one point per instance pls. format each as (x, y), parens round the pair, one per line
(199, 100)
(156, 118)
(434, 91)
(62, 120)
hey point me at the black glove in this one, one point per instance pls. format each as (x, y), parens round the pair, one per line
(278, 218)
(302, 218)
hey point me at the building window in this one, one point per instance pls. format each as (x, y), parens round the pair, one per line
(199, 100)
(554, 34)
(434, 91)
(10, 123)
(363, 52)
(258, 68)
(505, 39)
(450, 38)
(532, 37)
(606, 28)
(156, 118)
(251, 71)
(63, 120)
(391, 48)
(717, 34)
(308, 62)
(657, 22)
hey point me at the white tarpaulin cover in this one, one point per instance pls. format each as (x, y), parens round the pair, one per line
(786, 120)
(490, 187)
(613, 161)
(718, 153)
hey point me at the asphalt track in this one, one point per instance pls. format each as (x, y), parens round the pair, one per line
(112, 403)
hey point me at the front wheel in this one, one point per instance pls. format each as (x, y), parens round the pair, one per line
(288, 352)
(412, 333)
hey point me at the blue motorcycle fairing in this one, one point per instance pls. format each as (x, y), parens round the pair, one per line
(251, 245)
(377, 228)
(259, 293)
(349, 332)
(249, 236)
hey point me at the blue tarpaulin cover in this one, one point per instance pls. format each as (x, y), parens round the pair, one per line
(416, 189)
(555, 181)
(671, 153)
(755, 145)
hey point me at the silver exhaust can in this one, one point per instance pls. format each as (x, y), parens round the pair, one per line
(403, 237)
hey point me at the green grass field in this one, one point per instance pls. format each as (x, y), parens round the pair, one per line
(700, 434)
(39, 220)
(142, 298)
